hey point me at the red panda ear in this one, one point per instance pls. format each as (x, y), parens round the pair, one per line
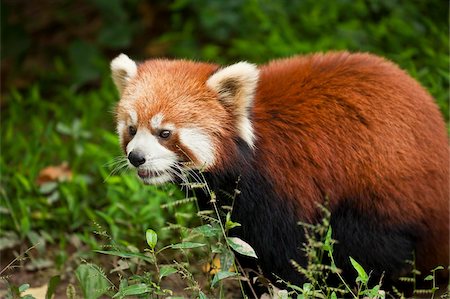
(123, 69)
(236, 86)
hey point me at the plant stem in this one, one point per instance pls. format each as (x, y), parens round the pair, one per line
(156, 264)
(342, 279)
(17, 258)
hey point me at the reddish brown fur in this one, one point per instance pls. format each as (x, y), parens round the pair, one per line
(356, 126)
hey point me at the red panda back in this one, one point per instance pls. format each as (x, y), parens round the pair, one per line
(354, 126)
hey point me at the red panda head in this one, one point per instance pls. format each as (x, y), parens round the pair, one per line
(179, 114)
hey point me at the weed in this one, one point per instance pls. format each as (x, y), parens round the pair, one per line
(141, 271)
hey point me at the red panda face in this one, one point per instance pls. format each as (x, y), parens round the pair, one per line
(174, 116)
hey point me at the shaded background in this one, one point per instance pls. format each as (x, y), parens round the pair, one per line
(58, 185)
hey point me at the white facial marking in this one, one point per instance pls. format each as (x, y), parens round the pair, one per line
(133, 117)
(200, 145)
(120, 127)
(156, 120)
(158, 159)
(169, 126)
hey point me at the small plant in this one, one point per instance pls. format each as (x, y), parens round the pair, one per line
(14, 291)
(413, 280)
(142, 273)
(321, 266)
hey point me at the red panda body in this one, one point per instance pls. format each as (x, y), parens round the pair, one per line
(352, 128)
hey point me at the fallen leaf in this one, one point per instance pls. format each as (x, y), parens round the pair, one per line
(214, 267)
(58, 173)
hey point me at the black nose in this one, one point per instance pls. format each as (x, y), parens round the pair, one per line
(136, 158)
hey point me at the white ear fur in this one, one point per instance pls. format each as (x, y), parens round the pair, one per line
(123, 69)
(236, 86)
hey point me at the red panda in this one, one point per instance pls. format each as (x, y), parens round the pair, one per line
(350, 128)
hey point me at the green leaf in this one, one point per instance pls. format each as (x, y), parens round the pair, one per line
(166, 271)
(25, 224)
(333, 295)
(282, 294)
(207, 230)
(92, 281)
(362, 275)
(202, 295)
(135, 289)
(53, 283)
(47, 188)
(429, 277)
(186, 245)
(222, 275)
(63, 129)
(230, 224)
(151, 237)
(24, 287)
(438, 268)
(371, 293)
(123, 283)
(127, 255)
(241, 247)
(307, 287)
(24, 181)
(226, 259)
(327, 245)
(37, 240)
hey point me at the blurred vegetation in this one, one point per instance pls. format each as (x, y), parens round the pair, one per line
(57, 97)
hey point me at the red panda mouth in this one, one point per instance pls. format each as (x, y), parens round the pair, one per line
(145, 173)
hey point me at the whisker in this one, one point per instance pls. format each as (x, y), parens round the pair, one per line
(187, 155)
(178, 173)
(117, 169)
(183, 178)
(186, 184)
(195, 176)
(191, 174)
(115, 161)
(185, 171)
(174, 175)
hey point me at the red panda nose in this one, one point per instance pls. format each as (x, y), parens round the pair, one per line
(136, 158)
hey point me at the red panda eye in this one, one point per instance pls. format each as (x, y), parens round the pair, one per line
(165, 134)
(132, 130)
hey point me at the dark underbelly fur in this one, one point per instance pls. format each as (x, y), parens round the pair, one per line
(270, 226)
